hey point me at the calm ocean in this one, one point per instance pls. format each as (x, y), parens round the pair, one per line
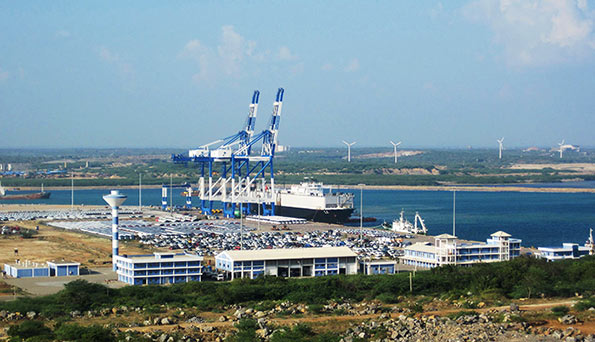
(539, 219)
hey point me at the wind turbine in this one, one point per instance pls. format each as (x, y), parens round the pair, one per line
(500, 147)
(348, 149)
(561, 149)
(395, 147)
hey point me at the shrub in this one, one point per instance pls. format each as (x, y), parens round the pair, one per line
(458, 314)
(246, 331)
(416, 308)
(560, 310)
(27, 233)
(316, 308)
(388, 298)
(92, 333)
(585, 304)
(30, 329)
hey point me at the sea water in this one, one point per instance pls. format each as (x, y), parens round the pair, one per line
(539, 219)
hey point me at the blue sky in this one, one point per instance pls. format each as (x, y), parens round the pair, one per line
(181, 73)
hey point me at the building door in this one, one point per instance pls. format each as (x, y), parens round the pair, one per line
(282, 271)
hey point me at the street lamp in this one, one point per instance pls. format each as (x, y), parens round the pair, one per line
(241, 227)
(361, 205)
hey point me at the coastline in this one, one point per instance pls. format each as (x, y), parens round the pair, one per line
(475, 188)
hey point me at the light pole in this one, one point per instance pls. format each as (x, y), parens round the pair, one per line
(361, 205)
(241, 228)
(454, 212)
(71, 190)
(140, 194)
(259, 204)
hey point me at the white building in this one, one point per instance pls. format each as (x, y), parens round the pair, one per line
(289, 262)
(159, 268)
(448, 251)
(372, 267)
(28, 269)
(568, 250)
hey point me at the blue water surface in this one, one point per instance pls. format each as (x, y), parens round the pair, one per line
(539, 219)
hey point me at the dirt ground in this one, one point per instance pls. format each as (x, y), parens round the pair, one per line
(583, 168)
(57, 244)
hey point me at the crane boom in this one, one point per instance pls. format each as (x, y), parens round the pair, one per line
(270, 138)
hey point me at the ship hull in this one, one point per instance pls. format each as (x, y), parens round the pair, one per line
(38, 195)
(327, 216)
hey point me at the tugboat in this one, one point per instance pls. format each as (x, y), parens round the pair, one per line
(29, 196)
(310, 201)
(401, 225)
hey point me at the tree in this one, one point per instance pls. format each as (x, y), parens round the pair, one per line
(29, 329)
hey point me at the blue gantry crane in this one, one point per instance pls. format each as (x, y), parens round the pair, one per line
(246, 178)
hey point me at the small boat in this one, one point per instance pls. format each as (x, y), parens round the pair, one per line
(402, 225)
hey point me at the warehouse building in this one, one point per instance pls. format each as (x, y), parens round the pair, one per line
(287, 262)
(63, 268)
(158, 268)
(28, 269)
(447, 250)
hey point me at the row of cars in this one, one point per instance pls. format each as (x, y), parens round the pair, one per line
(367, 243)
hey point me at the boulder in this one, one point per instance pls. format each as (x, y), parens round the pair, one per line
(567, 319)
(207, 329)
(195, 320)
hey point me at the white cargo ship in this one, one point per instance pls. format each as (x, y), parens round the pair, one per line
(313, 201)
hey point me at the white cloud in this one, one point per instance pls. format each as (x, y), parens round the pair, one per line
(353, 65)
(538, 32)
(228, 57)
(113, 58)
(437, 10)
(3, 75)
(231, 57)
(63, 34)
(233, 49)
(285, 54)
(202, 55)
